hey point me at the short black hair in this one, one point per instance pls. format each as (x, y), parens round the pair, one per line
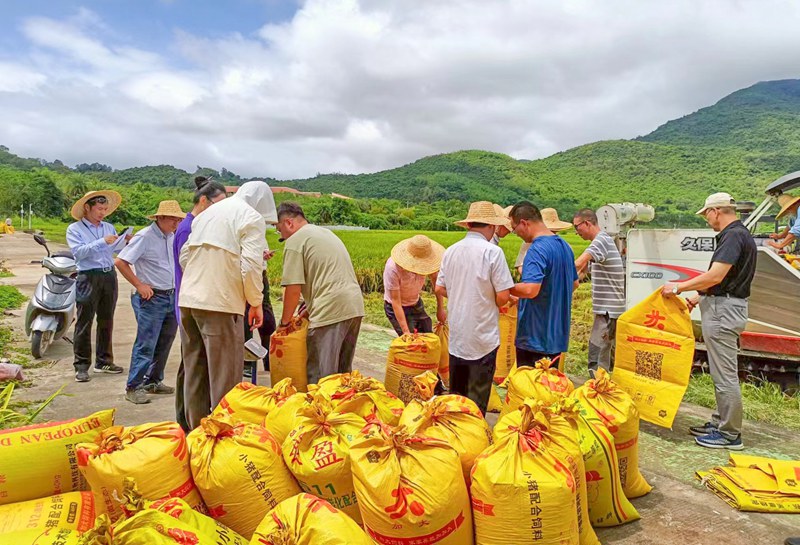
(525, 210)
(586, 214)
(291, 209)
(476, 225)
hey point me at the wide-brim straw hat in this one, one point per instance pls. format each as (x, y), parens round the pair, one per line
(786, 201)
(551, 221)
(418, 254)
(481, 212)
(504, 213)
(171, 209)
(114, 199)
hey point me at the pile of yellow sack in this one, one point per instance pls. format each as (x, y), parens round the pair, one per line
(752, 483)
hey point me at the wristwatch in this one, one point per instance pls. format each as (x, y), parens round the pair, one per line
(675, 289)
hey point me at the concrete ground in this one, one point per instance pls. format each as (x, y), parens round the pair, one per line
(678, 510)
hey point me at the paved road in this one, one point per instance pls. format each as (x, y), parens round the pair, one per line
(678, 511)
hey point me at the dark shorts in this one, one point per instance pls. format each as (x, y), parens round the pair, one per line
(529, 357)
(473, 378)
(418, 320)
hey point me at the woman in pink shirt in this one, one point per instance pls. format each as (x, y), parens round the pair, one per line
(404, 276)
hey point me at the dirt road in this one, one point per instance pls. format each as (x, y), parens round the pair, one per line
(678, 511)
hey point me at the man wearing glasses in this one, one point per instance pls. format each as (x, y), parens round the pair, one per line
(723, 291)
(93, 243)
(608, 287)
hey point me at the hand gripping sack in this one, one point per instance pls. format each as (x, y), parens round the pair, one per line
(616, 409)
(454, 419)
(346, 389)
(542, 382)
(317, 453)
(507, 353)
(654, 355)
(52, 446)
(410, 489)
(247, 402)
(410, 355)
(288, 354)
(522, 493)
(442, 330)
(154, 455)
(238, 468)
(308, 520)
(69, 511)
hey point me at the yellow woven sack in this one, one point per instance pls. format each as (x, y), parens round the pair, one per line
(48, 536)
(616, 409)
(288, 354)
(248, 402)
(654, 354)
(454, 419)
(317, 453)
(69, 511)
(507, 353)
(748, 489)
(155, 527)
(495, 404)
(154, 455)
(52, 446)
(346, 389)
(522, 493)
(410, 355)
(542, 382)
(442, 330)
(239, 470)
(786, 473)
(410, 489)
(280, 420)
(308, 520)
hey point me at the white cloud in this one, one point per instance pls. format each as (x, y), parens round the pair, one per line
(356, 86)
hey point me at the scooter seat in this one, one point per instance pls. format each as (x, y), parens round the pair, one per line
(64, 253)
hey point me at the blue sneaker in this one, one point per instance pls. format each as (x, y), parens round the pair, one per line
(705, 429)
(717, 440)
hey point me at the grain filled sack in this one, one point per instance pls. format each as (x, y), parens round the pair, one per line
(410, 489)
(69, 511)
(410, 355)
(442, 330)
(454, 419)
(154, 455)
(507, 353)
(47, 536)
(522, 492)
(317, 453)
(607, 503)
(156, 527)
(238, 468)
(280, 420)
(654, 355)
(616, 409)
(52, 447)
(348, 388)
(288, 354)
(250, 403)
(543, 382)
(308, 520)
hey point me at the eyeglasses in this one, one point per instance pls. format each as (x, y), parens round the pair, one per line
(97, 200)
(576, 225)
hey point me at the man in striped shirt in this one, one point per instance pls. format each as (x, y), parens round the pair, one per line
(608, 287)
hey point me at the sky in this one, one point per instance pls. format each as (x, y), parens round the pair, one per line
(288, 89)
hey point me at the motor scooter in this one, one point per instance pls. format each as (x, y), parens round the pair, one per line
(51, 310)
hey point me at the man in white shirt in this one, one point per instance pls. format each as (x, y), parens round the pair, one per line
(223, 262)
(475, 278)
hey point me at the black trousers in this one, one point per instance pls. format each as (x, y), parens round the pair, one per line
(473, 378)
(96, 296)
(529, 357)
(416, 317)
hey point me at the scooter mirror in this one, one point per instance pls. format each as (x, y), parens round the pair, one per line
(40, 240)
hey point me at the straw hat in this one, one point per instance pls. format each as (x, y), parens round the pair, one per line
(551, 221)
(114, 199)
(482, 212)
(504, 213)
(168, 208)
(786, 201)
(418, 254)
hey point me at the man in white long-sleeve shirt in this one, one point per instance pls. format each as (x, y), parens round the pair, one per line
(222, 262)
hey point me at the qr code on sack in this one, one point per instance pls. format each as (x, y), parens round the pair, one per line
(648, 364)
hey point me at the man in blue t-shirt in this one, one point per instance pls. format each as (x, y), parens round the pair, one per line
(545, 292)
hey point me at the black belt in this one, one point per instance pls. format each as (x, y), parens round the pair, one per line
(164, 292)
(725, 295)
(104, 270)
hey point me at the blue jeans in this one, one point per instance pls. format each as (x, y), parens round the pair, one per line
(156, 329)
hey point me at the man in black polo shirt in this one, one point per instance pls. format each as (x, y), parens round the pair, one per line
(723, 292)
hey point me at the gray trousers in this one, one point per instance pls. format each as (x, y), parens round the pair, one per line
(212, 344)
(723, 320)
(331, 349)
(602, 342)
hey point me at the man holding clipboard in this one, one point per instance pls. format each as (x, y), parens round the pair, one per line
(93, 243)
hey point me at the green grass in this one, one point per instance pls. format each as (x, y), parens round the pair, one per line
(10, 298)
(10, 414)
